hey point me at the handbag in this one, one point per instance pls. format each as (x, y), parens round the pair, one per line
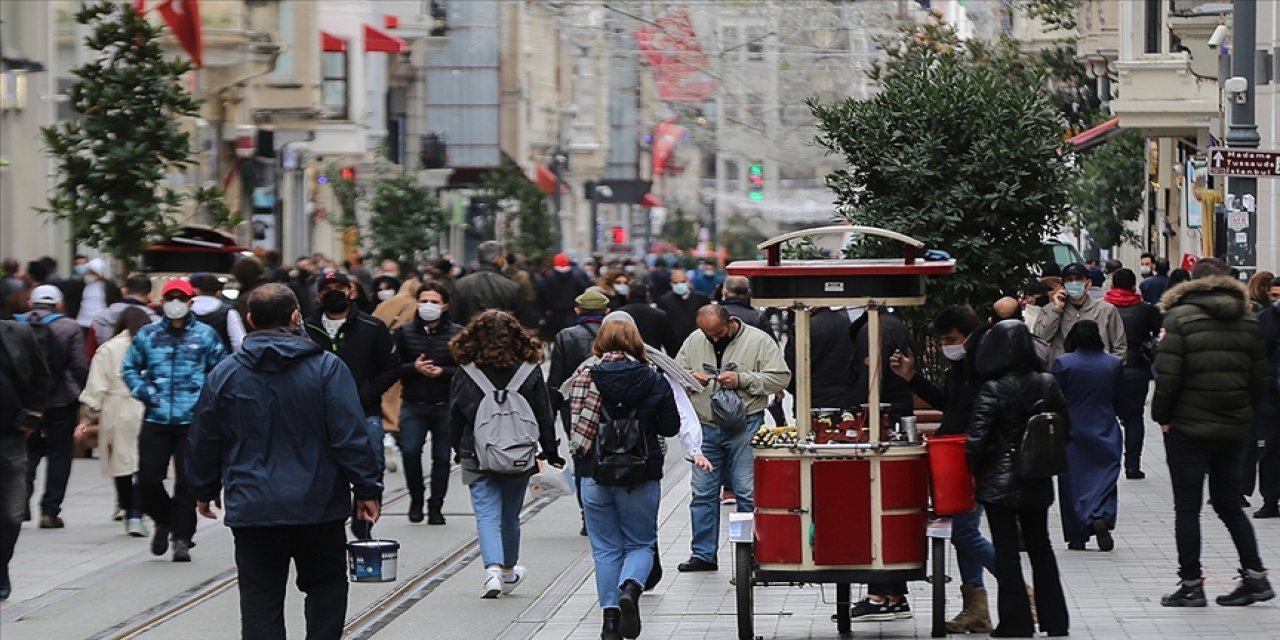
(1042, 451)
(728, 410)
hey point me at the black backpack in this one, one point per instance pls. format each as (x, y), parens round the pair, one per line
(217, 319)
(1042, 451)
(621, 450)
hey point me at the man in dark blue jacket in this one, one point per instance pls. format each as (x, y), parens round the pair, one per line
(279, 427)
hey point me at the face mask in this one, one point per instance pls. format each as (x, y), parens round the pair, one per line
(1146, 271)
(81, 269)
(622, 289)
(680, 288)
(953, 352)
(1074, 289)
(386, 294)
(429, 311)
(175, 309)
(334, 301)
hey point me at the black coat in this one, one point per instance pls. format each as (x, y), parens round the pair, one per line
(955, 398)
(830, 350)
(626, 386)
(654, 326)
(414, 339)
(365, 345)
(464, 401)
(683, 315)
(486, 289)
(894, 391)
(1142, 323)
(570, 348)
(744, 312)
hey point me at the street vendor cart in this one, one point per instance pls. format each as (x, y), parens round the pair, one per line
(844, 498)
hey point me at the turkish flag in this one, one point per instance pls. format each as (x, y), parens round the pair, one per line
(183, 17)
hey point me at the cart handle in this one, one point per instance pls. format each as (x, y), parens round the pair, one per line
(773, 246)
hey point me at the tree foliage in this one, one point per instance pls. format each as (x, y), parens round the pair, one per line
(959, 149)
(407, 219)
(111, 161)
(346, 192)
(680, 230)
(1107, 191)
(527, 221)
(1056, 14)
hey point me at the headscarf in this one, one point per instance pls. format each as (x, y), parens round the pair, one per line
(1084, 335)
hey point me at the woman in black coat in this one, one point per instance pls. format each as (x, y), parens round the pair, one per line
(1013, 386)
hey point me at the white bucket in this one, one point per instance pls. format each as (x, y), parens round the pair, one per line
(373, 560)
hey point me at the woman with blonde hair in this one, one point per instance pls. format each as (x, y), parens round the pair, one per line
(497, 355)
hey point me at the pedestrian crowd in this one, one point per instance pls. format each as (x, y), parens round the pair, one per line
(283, 404)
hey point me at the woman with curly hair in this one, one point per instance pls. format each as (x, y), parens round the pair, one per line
(616, 285)
(496, 353)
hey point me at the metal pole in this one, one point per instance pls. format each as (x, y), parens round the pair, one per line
(557, 167)
(1242, 193)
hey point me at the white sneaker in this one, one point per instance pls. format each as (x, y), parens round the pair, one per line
(512, 580)
(390, 452)
(492, 584)
(135, 527)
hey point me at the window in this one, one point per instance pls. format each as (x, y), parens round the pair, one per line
(284, 24)
(755, 43)
(1153, 16)
(333, 87)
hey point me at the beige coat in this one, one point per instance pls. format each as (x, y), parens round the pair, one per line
(394, 312)
(120, 416)
(762, 371)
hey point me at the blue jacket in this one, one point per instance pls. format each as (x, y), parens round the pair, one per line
(165, 368)
(280, 431)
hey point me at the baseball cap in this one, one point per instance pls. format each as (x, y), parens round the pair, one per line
(46, 294)
(562, 260)
(333, 278)
(1075, 269)
(592, 299)
(180, 286)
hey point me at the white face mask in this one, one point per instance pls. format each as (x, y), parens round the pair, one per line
(429, 311)
(953, 352)
(680, 288)
(386, 294)
(176, 309)
(622, 289)
(1146, 271)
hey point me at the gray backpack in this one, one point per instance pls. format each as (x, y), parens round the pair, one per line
(506, 432)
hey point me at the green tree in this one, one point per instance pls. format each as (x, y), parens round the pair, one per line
(527, 222)
(680, 230)
(347, 193)
(407, 219)
(1107, 191)
(1056, 14)
(112, 160)
(960, 149)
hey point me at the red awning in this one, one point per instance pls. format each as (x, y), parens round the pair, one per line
(378, 41)
(331, 43)
(1096, 135)
(650, 200)
(545, 178)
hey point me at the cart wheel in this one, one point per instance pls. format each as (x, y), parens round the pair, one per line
(743, 569)
(844, 595)
(939, 587)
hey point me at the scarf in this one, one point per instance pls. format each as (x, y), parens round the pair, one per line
(1120, 298)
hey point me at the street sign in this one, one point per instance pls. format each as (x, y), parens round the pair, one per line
(1244, 163)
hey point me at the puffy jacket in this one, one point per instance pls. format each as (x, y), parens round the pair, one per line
(570, 348)
(1211, 369)
(1007, 360)
(368, 350)
(415, 339)
(279, 431)
(625, 386)
(486, 289)
(464, 401)
(165, 367)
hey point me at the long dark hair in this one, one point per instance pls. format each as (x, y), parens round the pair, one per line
(131, 319)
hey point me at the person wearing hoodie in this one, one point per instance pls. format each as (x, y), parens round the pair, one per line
(165, 368)
(213, 310)
(278, 441)
(1142, 322)
(1017, 508)
(426, 373)
(621, 513)
(1211, 371)
(136, 293)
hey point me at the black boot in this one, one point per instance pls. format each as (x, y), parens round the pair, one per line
(609, 631)
(1270, 509)
(434, 514)
(1254, 587)
(629, 603)
(1190, 593)
(415, 509)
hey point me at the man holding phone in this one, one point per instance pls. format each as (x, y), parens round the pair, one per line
(1071, 304)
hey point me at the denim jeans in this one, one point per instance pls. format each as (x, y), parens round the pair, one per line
(55, 443)
(497, 501)
(622, 525)
(13, 493)
(416, 421)
(974, 553)
(1190, 460)
(1131, 404)
(730, 454)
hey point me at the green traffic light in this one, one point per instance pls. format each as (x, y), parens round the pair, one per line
(756, 196)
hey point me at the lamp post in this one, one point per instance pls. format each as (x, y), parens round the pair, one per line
(1242, 133)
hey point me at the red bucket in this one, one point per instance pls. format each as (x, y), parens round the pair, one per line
(949, 478)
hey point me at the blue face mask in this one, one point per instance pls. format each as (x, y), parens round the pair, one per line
(1074, 289)
(622, 289)
(680, 288)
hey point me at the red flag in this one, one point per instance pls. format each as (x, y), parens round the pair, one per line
(183, 17)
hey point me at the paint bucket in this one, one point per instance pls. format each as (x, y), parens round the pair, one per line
(373, 560)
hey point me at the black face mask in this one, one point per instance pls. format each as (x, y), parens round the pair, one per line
(334, 301)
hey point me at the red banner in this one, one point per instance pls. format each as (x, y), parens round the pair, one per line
(183, 17)
(671, 47)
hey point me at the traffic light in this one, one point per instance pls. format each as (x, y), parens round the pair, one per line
(619, 235)
(755, 182)
(349, 173)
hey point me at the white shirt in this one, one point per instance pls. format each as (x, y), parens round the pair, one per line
(331, 325)
(92, 300)
(235, 327)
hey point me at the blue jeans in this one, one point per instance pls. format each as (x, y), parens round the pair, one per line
(730, 454)
(1130, 408)
(497, 501)
(416, 421)
(973, 552)
(622, 525)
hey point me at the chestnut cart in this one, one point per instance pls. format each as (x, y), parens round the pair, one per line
(848, 504)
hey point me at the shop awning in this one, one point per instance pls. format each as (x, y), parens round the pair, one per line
(650, 200)
(545, 178)
(1095, 136)
(378, 41)
(330, 43)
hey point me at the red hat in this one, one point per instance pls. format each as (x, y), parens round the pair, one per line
(562, 260)
(180, 285)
